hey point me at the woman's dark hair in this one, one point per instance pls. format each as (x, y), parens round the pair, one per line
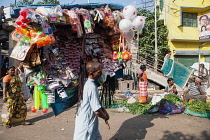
(142, 67)
(11, 67)
(204, 27)
(169, 79)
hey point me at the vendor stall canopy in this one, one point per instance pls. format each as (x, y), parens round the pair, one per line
(113, 6)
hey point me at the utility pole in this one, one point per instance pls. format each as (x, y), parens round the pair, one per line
(156, 48)
(0, 59)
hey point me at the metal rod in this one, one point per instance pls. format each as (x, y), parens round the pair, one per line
(199, 59)
(156, 48)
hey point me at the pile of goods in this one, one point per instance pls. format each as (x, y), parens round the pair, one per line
(171, 104)
(135, 108)
(198, 108)
(54, 44)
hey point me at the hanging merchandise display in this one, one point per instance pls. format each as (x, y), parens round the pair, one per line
(55, 42)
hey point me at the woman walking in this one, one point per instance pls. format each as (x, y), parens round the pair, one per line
(142, 84)
(14, 104)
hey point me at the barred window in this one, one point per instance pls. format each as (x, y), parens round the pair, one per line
(189, 19)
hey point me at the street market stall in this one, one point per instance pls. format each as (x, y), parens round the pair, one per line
(54, 42)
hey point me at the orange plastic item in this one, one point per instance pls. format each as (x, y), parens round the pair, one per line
(142, 99)
(190, 101)
(19, 33)
(114, 56)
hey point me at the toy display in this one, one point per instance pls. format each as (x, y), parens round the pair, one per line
(55, 44)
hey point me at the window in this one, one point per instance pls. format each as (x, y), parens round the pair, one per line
(207, 58)
(187, 60)
(189, 19)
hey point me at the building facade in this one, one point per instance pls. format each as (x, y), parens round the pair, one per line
(182, 18)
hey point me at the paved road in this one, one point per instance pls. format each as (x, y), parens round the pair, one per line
(124, 126)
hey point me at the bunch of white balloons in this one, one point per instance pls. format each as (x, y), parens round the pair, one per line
(131, 21)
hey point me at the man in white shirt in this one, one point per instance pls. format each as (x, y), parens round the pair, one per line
(86, 124)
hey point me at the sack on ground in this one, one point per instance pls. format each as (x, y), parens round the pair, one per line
(131, 100)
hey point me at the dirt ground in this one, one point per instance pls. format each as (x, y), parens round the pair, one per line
(124, 126)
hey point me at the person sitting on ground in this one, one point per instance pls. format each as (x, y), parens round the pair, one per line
(171, 87)
(195, 91)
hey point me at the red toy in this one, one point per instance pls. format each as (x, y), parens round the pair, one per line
(33, 109)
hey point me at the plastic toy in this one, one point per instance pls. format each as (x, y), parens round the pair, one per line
(33, 109)
(109, 17)
(87, 24)
(40, 98)
(22, 35)
(36, 97)
(44, 110)
(114, 56)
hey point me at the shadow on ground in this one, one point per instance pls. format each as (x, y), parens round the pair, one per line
(135, 128)
(180, 136)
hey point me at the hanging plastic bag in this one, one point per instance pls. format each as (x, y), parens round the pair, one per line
(44, 11)
(4, 112)
(76, 25)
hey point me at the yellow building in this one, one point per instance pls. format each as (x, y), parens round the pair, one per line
(182, 20)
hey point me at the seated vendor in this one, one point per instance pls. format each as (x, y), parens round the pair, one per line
(171, 87)
(195, 91)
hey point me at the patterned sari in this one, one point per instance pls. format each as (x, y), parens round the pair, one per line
(15, 105)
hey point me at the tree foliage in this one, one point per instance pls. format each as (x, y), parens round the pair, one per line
(49, 2)
(25, 2)
(147, 38)
(30, 2)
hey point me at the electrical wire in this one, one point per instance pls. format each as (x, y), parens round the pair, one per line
(73, 1)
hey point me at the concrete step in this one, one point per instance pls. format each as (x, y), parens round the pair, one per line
(152, 75)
